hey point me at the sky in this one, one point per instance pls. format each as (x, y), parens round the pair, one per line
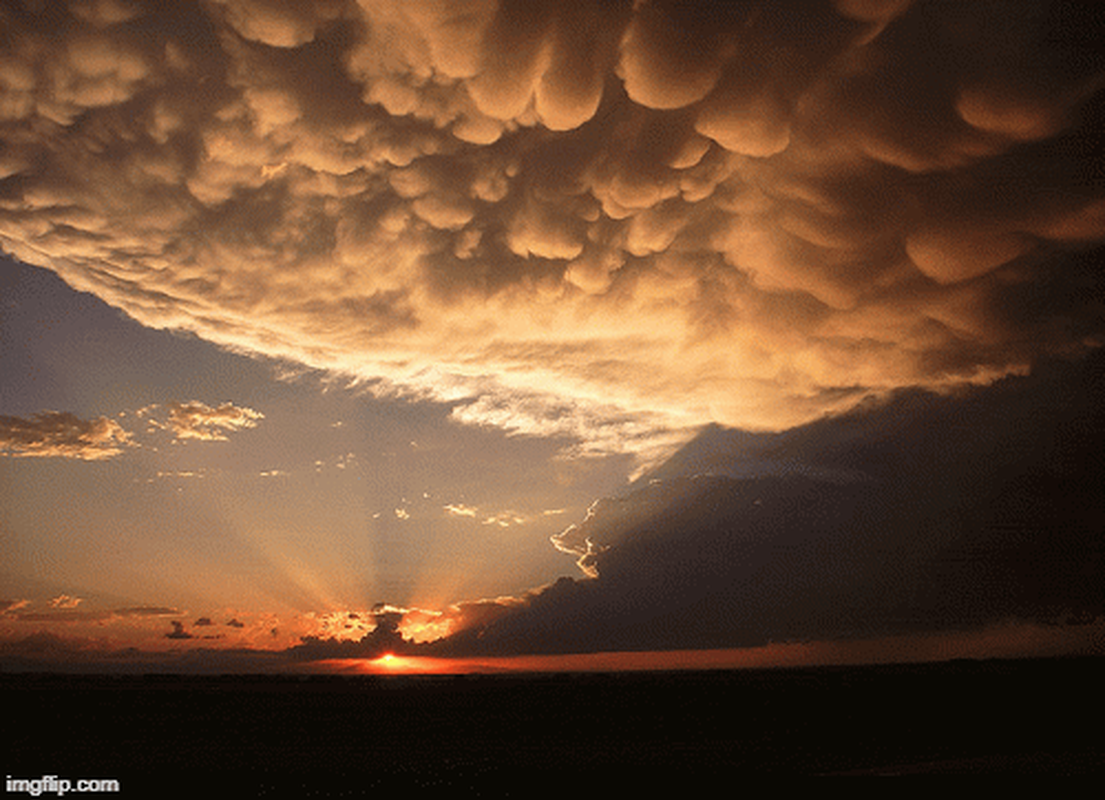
(495, 329)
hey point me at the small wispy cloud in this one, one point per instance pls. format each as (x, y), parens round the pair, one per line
(198, 421)
(503, 519)
(506, 519)
(460, 510)
(9, 606)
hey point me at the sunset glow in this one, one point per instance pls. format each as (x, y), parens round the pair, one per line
(1005, 641)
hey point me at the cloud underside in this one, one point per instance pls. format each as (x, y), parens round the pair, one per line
(658, 214)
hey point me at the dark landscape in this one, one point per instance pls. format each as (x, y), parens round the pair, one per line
(503, 735)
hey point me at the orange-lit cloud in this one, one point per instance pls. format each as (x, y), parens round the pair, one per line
(54, 434)
(157, 628)
(504, 519)
(604, 222)
(65, 435)
(11, 606)
(424, 625)
(201, 422)
(63, 609)
(460, 510)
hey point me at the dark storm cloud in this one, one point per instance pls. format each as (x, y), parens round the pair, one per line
(671, 213)
(918, 513)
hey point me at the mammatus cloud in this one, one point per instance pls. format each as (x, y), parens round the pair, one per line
(201, 422)
(654, 214)
(61, 435)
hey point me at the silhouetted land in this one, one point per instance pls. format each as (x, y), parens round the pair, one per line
(311, 736)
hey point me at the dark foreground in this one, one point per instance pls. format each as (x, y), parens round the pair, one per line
(341, 736)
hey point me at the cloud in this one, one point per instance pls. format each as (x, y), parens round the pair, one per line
(199, 421)
(178, 631)
(55, 434)
(460, 510)
(384, 637)
(146, 611)
(503, 519)
(914, 514)
(419, 626)
(584, 220)
(64, 609)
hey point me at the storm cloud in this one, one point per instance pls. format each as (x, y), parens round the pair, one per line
(652, 214)
(912, 515)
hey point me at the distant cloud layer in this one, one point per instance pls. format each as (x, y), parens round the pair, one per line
(633, 216)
